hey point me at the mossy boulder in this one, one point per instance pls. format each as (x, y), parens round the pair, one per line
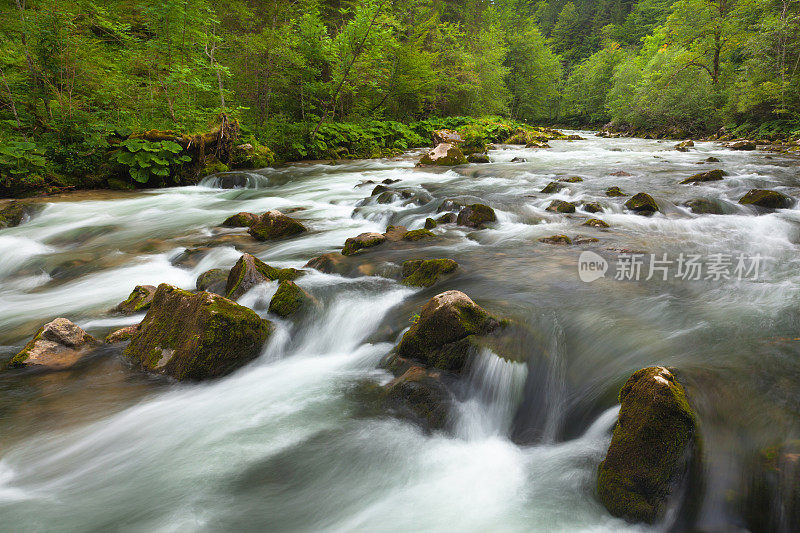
(703, 206)
(386, 197)
(478, 158)
(196, 336)
(571, 179)
(16, 212)
(684, 146)
(592, 207)
(445, 154)
(360, 242)
(772, 494)
(121, 335)
(614, 192)
(642, 204)
(289, 299)
(250, 271)
(447, 319)
(552, 187)
(418, 235)
(766, 199)
(596, 223)
(742, 145)
(252, 155)
(476, 216)
(275, 225)
(57, 345)
(447, 218)
(430, 223)
(138, 301)
(711, 175)
(213, 166)
(426, 272)
(654, 440)
(240, 220)
(560, 206)
(556, 239)
(214, 280)
(419, 395)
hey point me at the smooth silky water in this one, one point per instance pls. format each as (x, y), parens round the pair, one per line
(283, 444)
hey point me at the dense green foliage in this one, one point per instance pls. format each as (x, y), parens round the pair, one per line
(324, 78)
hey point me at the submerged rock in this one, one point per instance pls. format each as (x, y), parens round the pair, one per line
(614, 191)
(593, 207)
(654, 440)
(445, 320)
(57, 345)
(365, 240)
(766, 199)
(476, 216)
(560, 206)
(445, 154)
(556, 239)
(289, 299)
(702, 206)
(250, 271)
(425, 273)
(214, 280)
(196, 336)
(447, 218)
(332, 263)
(138, 301)
(772, 500)
(596, 223)
(275, 225)
(711, 175)
(642, 203)
(240, 220)
(420, 395)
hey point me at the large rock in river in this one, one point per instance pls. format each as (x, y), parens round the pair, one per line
(240, 220)
(57, 345)
(289, 299)
(275, 225)
(196, 336)
(642, 203)
(214, 280)
(445, 154)
(476, 216)
(425, 273)
(420, 395)
(250, 271)
(445, 320)
(365, 240)
(711, 175)
(765, 198)
(654, 441)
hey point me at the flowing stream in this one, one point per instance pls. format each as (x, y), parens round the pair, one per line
(283, 444)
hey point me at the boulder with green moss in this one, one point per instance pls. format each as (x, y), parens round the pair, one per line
(250, 271)
(444, 322)
(418, 394)
(478, 158)
(418, 235)
(571, 179)
(702, 177)
(252, 155)
(332, 263)
(766, 199)
(592, 207)
(596, 223)
(445, 154)
(240, 220)
(213, 166)
(57, 345)
(138, 301)
(16, 212)
(275, 225)
(426, 272)
(642, 204)
(360, 242)
(214, 280)
(552, 187)
(430, 223)
(654, 441)
(560, 206)
(196, 336)
(556, 239)
(614, 191)
(476, 216)
(447, 218)
(684, 146)
(289, 299)
(704, 206)
(122, 334)
(772, 496)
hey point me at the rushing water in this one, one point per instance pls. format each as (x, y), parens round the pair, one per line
(283, 445)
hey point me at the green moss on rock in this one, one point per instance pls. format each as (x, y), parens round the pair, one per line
(476, 216)
(614, 191)
(642, 203)
(418, 234)
(55, 346)
(430, 223)
(138, 301)
(16, 212)
(240, 220)
(596, 223)
(250, 271)
(275, 225)
(196, 336)
(560, 206)
(653, 440)
(425, 273)
(444, 154)
(214, 280)
(354, 245)
(289, 299)
(552, 187)
(766, 199)
(419, 394)
(556, 239)
(711, 175)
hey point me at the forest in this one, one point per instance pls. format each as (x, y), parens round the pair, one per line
(82, 81)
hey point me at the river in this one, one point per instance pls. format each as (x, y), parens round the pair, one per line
(283, 443)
